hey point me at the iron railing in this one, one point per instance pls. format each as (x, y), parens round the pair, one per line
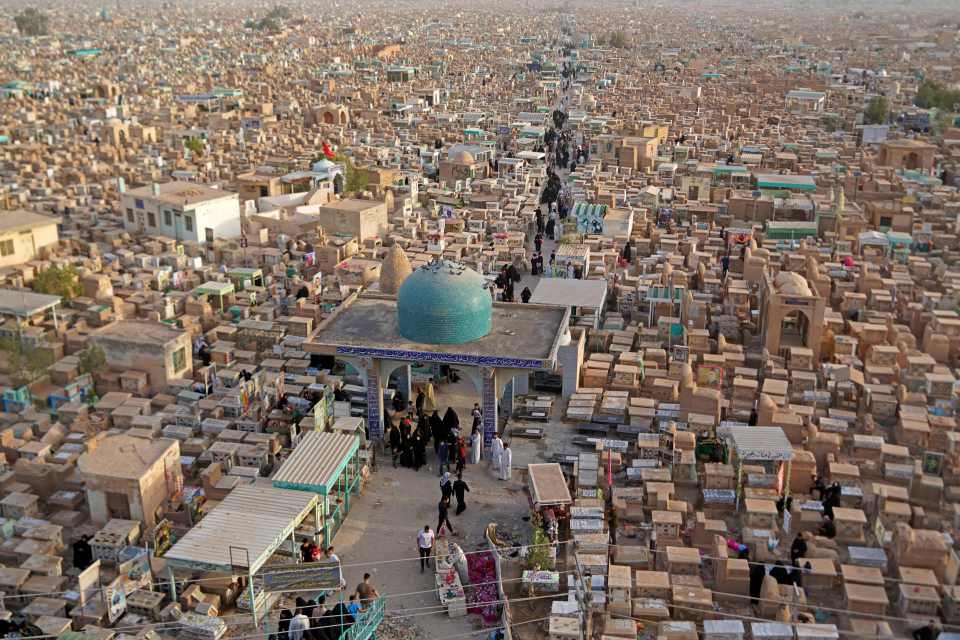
(366, 625)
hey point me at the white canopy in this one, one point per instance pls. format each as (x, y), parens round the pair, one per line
(874, 238)
(758, 443)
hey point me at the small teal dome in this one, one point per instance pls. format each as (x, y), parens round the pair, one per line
(444, 302)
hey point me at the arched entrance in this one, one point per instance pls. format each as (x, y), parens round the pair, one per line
(911, 161)
(327, 117)
(793, 330)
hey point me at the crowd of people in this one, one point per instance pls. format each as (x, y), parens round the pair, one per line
(829, 497)
(312, 619)
(408, 440)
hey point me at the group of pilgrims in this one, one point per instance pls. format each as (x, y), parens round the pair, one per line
(410, 438)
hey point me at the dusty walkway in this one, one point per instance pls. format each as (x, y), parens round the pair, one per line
(384, 521)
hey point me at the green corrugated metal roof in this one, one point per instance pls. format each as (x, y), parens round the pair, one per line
(791, 182)
(729, 168)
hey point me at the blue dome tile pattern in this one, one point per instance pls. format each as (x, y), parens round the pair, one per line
(444, 302)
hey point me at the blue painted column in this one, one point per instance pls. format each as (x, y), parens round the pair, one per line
(374, 398)
(489, 405)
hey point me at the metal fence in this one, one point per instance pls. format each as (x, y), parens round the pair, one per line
(367, 625)
(505, 616)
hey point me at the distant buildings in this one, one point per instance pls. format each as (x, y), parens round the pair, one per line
(23, 234)
(364, 219)
(183, 211)
(806, 100)
(907, 154)
(130, 478)
(161, 352)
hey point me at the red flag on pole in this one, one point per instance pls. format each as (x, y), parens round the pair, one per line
(327, 151)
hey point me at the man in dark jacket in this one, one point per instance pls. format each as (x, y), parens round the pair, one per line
(459, 488)
(443, 508)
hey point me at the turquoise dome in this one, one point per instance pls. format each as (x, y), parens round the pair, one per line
(444, 302)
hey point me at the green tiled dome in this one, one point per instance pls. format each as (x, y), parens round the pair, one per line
(444, 302)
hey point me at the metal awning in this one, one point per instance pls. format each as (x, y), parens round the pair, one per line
(873, 238)
(24, 304)
(317, 461)
(758, 443)
(778, 181)
(244, 272)
(566, 292)
(253, 521)
(215, 288)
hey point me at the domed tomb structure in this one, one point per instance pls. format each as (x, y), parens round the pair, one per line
(395, 269)
(791, 316)
(444, 302)
(463, 157)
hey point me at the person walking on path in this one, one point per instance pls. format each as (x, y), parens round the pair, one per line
(460, 448)
(443, 456)
(506, 463)
(367, 591)
(419, 453)
(476, 446)
(443, 513)
(446, 486)
(425, 545)
(459, 489)
(496, 450)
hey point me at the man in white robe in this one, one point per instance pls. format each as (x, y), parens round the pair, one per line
(476, 446)
(506, 462)
(496, 450)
